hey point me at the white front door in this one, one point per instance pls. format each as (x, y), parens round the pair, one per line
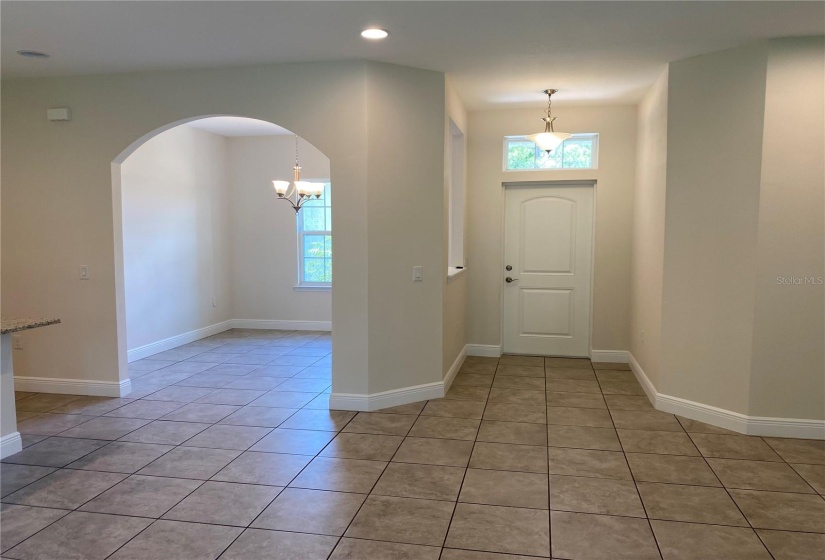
(548, 242)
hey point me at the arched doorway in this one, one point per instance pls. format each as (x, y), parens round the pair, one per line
(211, 278)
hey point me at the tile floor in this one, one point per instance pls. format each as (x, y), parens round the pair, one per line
(227, 449)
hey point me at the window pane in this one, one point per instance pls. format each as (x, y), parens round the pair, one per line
(314, 246)
(313, 219)
(328, 270)
(521, 155)
(326, 195)
(328, 246)
(552, 160)
(314, 270)
(578, 153)
(329, 219)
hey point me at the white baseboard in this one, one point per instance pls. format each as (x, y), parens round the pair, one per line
(485, 350)
(615, 356)
(735, 421)
(10, 444)
(73, 386)
(174, 341)
(386, 399)
(281, 325)
(453, 371)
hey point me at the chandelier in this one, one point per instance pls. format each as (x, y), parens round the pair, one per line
(301, 191)
(549, 140)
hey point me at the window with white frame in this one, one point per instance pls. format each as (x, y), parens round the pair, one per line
(315, 240)
(581, 151)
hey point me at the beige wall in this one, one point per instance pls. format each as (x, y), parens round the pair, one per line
(405, 115)
(175, 235)
(387, 219)
(264, 237)
(788, 355)
(649, 230)
(455, 291)
(616, 126)
(715, 110)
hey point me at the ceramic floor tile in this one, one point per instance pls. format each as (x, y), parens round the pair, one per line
(80, 536)
(652, 420)
(190, 462)
(274, 469)
(575, 400)
(343, 475)
(595, 495)
(696, 504)
(402, 520)
(588, 462)
(696, 427)
(759, 475)
(228, 437)
(610, 387)
(507, 412)
(509, 457)
(813, 475)
(568, 363)
(615, 375)
(283, 399)
(512, 360)
(177, 539)
(473, 380)
(148, 410)
(142, 496)
(261, 416)
(17, 523)
(382, 424)
(627, 402)
(363, 446)
(411, 408)
(785, 512)
(311, 511)
(453, 408)
(457, 554)
(516, 396)
(806, 451)
(277, 545)
(45, 402)
(572, 386)
(734, 447)
(104, 427)
(55, 452)
(48, 424)
(585, 374)
(502, 488)
(179, 394)
(662, 443)
(324, 420)
(512, 432)
(224, 503)
(446, 428)
(122, 457)
(65, 489)
(429, 482)
(165, 433)
(610, 366)
(691, 541)
(671, 469)
(520, 371)
(298, 442)
(583, 437)
(358, 549)
(434, 451)
(589, 417)
(14, 477)
(585, 536)
(467, 393)
(521, 383)
(201, 412)
(793, 546)
(500, 529)
(231, 396)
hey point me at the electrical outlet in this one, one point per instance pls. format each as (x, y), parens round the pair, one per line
(17, 341)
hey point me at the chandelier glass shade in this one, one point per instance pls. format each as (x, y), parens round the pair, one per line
(549, 140)
(298, 192)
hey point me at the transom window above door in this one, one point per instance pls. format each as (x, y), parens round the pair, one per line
(581, 151)
(315, 240)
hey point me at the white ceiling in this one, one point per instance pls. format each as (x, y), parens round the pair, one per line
(499, 54)
(239, 126)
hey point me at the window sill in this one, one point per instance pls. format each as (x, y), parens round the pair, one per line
(303, 288)
(453, 273)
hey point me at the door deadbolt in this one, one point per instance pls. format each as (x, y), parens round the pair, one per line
(508, 267)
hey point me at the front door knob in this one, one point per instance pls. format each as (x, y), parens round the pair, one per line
(509, 280)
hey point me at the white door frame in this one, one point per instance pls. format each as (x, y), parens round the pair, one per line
(593, 183)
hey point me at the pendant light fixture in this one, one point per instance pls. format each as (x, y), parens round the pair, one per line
(549, 140)
(301, 191)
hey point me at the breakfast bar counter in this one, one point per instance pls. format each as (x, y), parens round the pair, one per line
(10, 442)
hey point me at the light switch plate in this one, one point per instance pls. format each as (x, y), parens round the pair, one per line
(418, 274)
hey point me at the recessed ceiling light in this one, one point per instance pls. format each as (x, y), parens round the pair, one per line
(33, 54)
(374, 33)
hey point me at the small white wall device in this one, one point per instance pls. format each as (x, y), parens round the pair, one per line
(59, 114)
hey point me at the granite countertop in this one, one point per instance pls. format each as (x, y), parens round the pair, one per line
(24, 323)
